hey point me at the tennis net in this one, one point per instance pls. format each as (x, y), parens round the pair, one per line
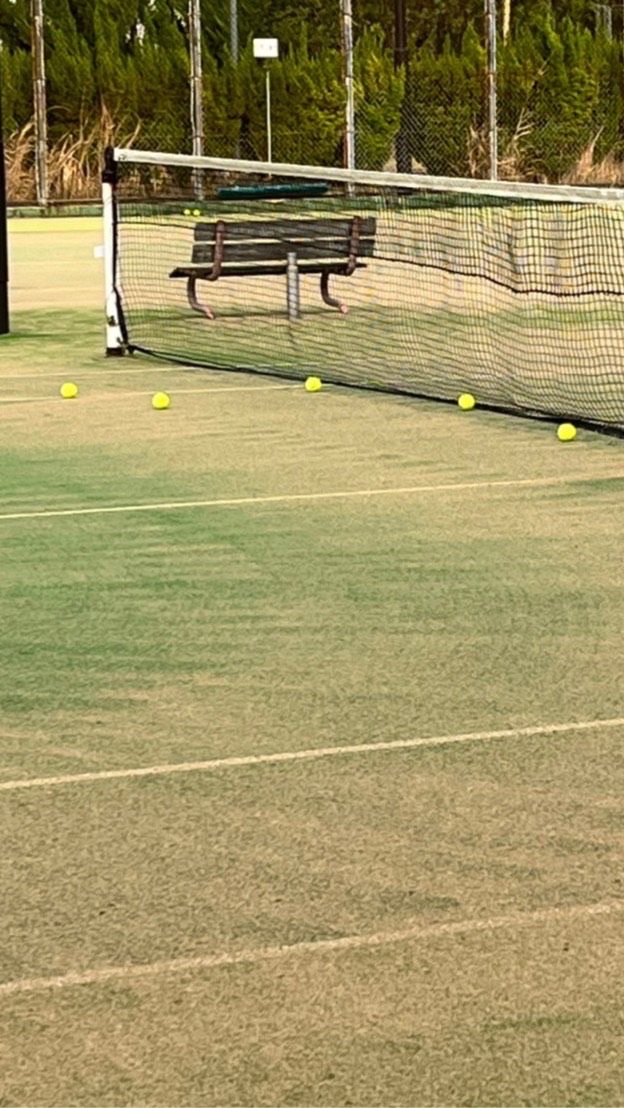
(512, 292)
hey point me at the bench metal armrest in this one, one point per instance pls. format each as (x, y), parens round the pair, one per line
(354, 242)
(217, 256)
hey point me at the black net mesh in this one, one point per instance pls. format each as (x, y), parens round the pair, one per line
(518, 301)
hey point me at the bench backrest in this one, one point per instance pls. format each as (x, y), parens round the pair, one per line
(273, 240)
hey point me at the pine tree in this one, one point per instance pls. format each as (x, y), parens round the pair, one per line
(69, 69)
(560, 79)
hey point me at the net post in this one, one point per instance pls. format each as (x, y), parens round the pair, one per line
(292, 288)
(115, 338)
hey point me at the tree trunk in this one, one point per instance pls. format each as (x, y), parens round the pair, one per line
(506, 19)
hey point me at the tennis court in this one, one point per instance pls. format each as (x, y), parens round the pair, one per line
(311, 735)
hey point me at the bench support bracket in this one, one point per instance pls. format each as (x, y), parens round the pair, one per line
(191, 293)
(331, 300)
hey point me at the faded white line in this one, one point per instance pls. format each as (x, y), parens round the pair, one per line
(63, 374)
(303, 497)
(122, 393)
(217, 391)
(178, 966)
(307, 755)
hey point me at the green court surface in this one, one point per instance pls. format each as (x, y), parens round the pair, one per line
(201, 901)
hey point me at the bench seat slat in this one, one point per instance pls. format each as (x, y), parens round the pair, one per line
(270, 269)
(274, 251)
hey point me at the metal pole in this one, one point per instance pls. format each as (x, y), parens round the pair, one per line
(39, 97)
(115, 327)
(292, 287)
(490, 20)
(402, 150)
(268, 110)
(347, 49)
(197, 107)
(234, 30)
(4, 247)
(234, 52)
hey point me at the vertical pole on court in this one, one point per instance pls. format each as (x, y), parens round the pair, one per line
(115, 326)
(347, 56)
(197, 106)
(268, 115)
(292, 288)
(265, 49)
(402, 151)
(234, 49)
(234, 30)
(490, 22)
(4, 245)
(40, 103)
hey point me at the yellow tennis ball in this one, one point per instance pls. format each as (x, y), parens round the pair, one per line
(566, 432)
(313, 384)
(187, 211)
(69, 391)
(466, 402)
(197, 212)
(160, 401)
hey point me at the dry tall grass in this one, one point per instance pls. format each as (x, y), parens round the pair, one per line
(74, 162)
(19, 155)
(607, 171)
(512, 163)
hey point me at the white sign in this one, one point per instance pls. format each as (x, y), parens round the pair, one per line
(266, 48)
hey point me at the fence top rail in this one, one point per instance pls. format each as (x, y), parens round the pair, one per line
(510, 190)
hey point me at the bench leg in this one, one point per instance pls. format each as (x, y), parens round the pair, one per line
(331, 300)
(194, 302)
(293, 296)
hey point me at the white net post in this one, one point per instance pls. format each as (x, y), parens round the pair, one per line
(115, 343)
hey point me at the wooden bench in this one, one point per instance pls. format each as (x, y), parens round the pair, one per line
(328, 246)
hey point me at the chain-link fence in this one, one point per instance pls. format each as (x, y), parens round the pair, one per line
(560, 106)
(560, 114)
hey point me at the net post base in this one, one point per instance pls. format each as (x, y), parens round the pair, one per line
(115, 338)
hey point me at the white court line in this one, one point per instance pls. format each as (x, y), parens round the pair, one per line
(306, 755)
(146, 392)
(28, 399)
(177, 966)
(64, 373)
(302, 497)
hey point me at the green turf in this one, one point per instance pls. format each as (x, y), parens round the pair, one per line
(138, 639)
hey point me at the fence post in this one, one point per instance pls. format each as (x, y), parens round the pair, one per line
(4, 247)
(40, 106)
(197, 106)
(234, 30)
(347, 52)
(403, 155)
(490, 23)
